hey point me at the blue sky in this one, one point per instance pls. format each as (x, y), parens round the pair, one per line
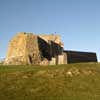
(77, 21)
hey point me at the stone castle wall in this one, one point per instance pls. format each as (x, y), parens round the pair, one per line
(52, 37)
(23, 49)
(16, 49)
(17, 46)
(28, 48)
(32, 49)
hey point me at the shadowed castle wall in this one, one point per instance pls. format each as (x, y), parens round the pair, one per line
(55, 45)
(77, 57)
(52, 37)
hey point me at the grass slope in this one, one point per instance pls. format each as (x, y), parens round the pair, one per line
(62, 82)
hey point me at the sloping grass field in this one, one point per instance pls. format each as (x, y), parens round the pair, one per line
(63, 82)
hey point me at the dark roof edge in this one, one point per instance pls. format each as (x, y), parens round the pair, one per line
(78, 51)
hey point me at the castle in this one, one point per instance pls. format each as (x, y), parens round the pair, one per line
(30, 49)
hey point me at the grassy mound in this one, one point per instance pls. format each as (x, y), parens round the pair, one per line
(62, 82)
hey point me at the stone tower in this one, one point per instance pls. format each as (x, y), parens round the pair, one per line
(23, 49)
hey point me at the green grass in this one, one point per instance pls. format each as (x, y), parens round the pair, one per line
(63, 82)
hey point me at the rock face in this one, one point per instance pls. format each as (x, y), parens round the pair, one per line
(27, 48)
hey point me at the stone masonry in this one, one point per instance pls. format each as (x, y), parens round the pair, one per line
(27, 48)
(30, 49)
